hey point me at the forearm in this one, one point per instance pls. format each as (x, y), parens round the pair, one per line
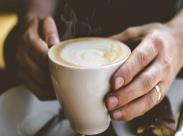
(176, 25)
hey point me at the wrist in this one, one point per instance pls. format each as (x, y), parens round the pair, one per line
(177, 34)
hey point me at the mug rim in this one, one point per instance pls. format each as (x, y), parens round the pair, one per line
(50, 57)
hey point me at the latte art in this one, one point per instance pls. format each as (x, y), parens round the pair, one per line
(90, 52)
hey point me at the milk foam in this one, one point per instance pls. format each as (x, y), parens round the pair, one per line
(91, 52)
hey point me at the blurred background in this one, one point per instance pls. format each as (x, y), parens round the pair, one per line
(7, 20)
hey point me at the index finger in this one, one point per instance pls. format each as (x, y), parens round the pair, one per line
(50, 32)
(139, 59)
(36, 47)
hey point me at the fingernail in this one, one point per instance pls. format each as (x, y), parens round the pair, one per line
(112, 102)
(119, 81)
(117, 114)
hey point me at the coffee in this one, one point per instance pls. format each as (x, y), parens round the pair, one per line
(90, 52)
(81, 70)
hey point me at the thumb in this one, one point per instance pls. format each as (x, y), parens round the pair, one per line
(50, 32)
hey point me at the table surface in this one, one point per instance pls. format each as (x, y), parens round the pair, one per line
(21, 111)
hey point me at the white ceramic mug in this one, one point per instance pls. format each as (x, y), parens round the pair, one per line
(81, 92)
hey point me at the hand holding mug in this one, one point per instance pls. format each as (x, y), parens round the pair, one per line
(32, 57)
(148, 72)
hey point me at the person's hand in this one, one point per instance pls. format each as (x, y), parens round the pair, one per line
(32, 57)
(155, 61)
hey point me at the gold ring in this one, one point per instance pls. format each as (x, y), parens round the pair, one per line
(158, 91)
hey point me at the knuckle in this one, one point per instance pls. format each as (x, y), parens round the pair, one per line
(129, 31)
(29, 36)
(142, 57)
(158, 40)
(153, 50)
(147, 81)
(167, 64)
(154, 33)
(127, 74)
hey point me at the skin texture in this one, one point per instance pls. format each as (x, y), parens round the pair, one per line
(155, 61)
(32, 57)
(38, 34)
(26, 48)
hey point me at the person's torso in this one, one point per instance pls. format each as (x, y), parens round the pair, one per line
(107, 17)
